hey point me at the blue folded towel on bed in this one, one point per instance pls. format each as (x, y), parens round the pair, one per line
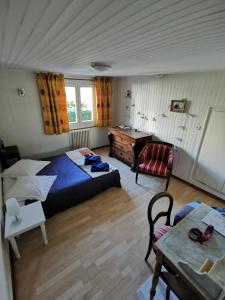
(100, 167)
(92, 159)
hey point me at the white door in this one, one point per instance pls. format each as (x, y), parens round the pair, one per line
(210, 167)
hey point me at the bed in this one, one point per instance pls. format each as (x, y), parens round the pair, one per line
(72, 185)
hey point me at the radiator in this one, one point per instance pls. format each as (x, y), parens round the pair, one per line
(79, 139)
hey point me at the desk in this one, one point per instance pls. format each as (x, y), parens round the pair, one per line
(176, 245)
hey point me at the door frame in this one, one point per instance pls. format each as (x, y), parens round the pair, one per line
(206, 122)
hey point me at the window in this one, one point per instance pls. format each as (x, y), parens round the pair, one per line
(80, 103)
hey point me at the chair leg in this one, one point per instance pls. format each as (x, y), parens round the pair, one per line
(168, 293)
(167, 183)
(149, 249)
(136, 176)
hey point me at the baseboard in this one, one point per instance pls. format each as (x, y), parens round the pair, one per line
(96, 148)
(195, 186)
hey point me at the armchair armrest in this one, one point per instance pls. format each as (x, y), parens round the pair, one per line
(170, 159)
(143, 155)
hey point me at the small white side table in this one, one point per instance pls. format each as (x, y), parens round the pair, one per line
(32, 216)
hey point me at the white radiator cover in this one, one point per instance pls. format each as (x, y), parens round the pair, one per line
(80, 138)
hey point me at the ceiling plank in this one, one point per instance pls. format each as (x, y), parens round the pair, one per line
(134, 36)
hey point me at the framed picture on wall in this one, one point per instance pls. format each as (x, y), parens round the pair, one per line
(178, 105)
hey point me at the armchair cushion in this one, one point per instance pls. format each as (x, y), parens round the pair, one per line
(160, 152)
(154, 167)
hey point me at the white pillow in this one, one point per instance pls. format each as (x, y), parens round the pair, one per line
(25, 167)
(31, 187)
(8, 182)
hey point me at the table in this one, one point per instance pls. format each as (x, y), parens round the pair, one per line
(32, 216)
(126, 144)
(175, 246)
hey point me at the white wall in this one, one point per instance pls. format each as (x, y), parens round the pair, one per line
(152, 96)
(21, 125)
(21, 120)
(5, 271)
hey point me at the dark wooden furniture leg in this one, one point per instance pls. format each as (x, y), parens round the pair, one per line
(168, 293)
(134, 155)
(149, 247)
(155, 278)
(167, 183)
(136, 176)
(110, 138)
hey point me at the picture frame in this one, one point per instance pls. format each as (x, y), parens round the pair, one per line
(178, 105)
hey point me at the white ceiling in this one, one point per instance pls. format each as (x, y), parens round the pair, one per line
(137, 37)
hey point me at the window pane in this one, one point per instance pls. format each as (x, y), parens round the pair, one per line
(71, 103)
(86, 100)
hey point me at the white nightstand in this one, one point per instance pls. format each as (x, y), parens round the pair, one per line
(32, 216)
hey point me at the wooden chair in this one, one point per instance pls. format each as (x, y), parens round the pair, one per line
(156, 159)
(154, 233)
(169, 276)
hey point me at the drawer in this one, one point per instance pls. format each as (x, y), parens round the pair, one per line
(121, 152)
(117, 138)
(123, 139)
(126, 156)
(123, 147)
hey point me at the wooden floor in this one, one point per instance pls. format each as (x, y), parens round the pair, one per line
(96, 249)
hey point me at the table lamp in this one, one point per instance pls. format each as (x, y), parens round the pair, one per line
(13, 209)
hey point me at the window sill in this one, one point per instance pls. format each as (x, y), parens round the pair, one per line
(84, 127)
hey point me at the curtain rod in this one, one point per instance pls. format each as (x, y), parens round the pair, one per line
(79, 79)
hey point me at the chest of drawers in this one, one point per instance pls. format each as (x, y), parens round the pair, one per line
(126, 144)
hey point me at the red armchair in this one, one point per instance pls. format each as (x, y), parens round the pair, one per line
(156, 159)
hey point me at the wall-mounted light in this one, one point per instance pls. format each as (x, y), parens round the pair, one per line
(21, 92)
(128, 94)
(179, 139)
(128, 106)
(161, 115)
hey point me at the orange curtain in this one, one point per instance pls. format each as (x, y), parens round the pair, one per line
(103, 92)
(53, 103)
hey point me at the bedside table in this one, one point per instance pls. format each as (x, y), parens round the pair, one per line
(32, 216)
(9, 155)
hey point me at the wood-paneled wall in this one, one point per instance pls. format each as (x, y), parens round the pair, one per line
(152, 97)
